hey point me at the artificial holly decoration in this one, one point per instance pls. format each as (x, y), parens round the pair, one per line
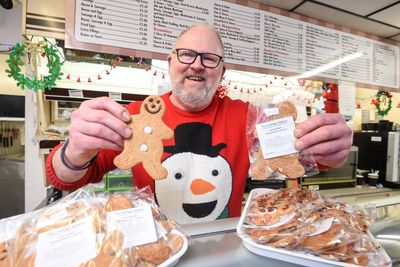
(45, 50)
(385, 98)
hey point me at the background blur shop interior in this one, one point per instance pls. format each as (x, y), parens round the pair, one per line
(324, 56)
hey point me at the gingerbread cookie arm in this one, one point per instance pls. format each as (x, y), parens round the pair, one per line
(259, 168)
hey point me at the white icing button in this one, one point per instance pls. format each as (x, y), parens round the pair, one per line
(143, 148)
(148, 130)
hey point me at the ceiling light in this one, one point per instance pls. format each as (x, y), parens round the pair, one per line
(328, 66)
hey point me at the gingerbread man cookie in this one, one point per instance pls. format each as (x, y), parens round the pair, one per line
(145, 145)
(287, 165)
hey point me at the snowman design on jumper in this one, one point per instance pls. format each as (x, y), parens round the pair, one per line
(199, 181)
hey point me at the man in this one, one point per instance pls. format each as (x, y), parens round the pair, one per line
(207, 160)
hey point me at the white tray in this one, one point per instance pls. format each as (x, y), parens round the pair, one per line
(284, 254)
(172, 261)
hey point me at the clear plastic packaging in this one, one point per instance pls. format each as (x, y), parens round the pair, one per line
(276, 219)
(84, 229)
(167, 241)
(269, 141)
(305, 223)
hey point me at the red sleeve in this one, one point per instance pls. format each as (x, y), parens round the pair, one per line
(102, 165)
(322, 167)
(94, 174)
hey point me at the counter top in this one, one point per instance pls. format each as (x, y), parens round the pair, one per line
(352, 191)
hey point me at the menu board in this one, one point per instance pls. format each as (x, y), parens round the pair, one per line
(171, 17)
(385, 64)
(240, 29)
(358, 69)
(322, 46)
(122, 23)
(252, 37)
(283, 43)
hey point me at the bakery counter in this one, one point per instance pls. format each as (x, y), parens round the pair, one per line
(217, 244)
(365, 194)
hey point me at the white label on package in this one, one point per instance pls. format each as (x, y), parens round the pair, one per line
(271, 111)
(277, 137)
(67, 246)
(322, 226)
(136, 224)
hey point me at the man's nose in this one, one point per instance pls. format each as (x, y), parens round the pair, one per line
(197, 63)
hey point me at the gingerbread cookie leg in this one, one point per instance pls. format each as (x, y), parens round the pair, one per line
(155, 170)
(259, 168)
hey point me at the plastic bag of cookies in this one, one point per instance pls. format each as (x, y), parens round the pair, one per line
(271, 144)
(65, 233)
(84, 229)
(8, 230)
(276, 219)
(149, 237)
(333, 237)
(304, 222)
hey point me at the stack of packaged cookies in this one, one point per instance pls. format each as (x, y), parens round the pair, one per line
(83, 229)
(305, 222)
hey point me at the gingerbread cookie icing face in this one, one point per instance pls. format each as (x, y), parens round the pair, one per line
(153, 105)
(145, 145)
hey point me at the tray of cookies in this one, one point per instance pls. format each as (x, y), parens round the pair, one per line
(302, 227)
(86, 229)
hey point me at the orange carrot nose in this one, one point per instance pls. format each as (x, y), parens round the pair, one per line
(200, 187)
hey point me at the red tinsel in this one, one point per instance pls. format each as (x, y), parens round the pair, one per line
(222, 91)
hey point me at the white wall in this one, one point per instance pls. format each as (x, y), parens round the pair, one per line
(10, 33)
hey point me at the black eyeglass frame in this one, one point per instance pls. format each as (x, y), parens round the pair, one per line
(221, 59)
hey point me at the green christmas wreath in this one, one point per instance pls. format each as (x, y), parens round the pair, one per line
(45, 50)
(382, 96)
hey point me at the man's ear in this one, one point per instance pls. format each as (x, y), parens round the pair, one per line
(169, 58)
(223, 72)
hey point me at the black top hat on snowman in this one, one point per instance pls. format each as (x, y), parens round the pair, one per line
(194, 137)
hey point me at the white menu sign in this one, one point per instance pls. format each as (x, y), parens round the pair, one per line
(385, 64)
(171, 17)
(322, 46)
(240, 29)
(358, 69)
(283, 43)
(122, 23)
(252, 37)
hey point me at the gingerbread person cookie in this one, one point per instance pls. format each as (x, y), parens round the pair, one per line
(145, 145)
(288, 165)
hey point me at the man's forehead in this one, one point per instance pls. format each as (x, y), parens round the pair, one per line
(197, 35)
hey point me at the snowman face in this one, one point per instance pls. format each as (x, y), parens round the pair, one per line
(197, 187)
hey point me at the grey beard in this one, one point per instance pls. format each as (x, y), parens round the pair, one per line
(195, 99)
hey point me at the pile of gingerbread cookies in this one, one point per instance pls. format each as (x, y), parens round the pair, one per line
(89, 214)
(304, 221)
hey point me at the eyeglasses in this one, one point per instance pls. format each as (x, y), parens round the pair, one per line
(187, 56)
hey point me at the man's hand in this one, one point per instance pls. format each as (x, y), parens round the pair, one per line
(327, 137)
(97, 124)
